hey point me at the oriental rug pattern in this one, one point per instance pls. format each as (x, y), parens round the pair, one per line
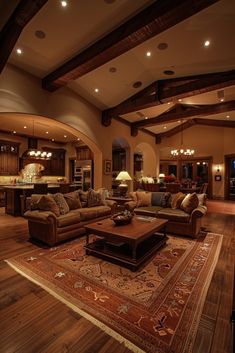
(155, 309)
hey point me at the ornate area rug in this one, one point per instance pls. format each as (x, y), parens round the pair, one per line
(156, 309)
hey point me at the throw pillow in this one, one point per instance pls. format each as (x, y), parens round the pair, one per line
(201, 199)
(93, 198)
(83, 197)
(165, 199)
(177, 200)
(47, 203)
(73, 200)
(103, 194)
(156, 198)
(34, 199)
(61, 203)
(143, 198)
(189, 203)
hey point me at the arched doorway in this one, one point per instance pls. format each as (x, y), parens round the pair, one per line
(47, 130)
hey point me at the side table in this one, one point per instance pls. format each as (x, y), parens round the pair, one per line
(120, 201)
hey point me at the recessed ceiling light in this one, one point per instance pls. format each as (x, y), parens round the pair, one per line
(169, 103)
(169, 72)
(96, 90)
(227, 116)
(65, 136)
(19, 51)
(40, 34)
(222, 99)
(137, 84)
(146, 117)
(25, 127)
(52, 139)
(206, 43)
(112, 69)
(14, 132)
(64, 3)
(180, 100)
(78, 139)
(47, 132)
(162, 46)
(178, 121)
(164, 127)
(148, 53)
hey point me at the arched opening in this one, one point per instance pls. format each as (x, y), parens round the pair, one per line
(55, 136)
(120, 159)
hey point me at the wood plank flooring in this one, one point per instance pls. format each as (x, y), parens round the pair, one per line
(32, 321)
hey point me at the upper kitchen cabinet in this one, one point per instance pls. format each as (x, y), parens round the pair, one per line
(9, 158)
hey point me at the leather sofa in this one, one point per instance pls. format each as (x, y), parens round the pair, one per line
(45, 226)
(180, 222)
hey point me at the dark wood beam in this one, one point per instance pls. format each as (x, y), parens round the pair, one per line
(192, 122)
(185, 113)
(163, 91)
(156, 18)
(10, 33)
(215, 122)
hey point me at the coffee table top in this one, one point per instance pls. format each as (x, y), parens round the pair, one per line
(139, 227)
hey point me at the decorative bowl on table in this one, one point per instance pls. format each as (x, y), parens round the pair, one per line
(122, 218)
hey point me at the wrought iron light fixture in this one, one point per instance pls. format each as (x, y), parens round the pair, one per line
(182, 152)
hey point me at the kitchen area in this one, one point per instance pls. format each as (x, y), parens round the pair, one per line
(30, 164)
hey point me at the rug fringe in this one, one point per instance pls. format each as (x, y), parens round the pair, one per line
(94, 321)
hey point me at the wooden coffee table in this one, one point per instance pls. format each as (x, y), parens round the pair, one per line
(129, 245)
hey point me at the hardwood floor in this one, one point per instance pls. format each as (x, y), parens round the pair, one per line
(32, 321)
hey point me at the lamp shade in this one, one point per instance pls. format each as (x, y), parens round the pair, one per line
(161, 175)
(123, 175)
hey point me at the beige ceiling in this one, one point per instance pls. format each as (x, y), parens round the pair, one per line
(70, 30)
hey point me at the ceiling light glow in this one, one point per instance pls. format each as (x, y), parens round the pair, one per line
(164, 127)
(206, 43)
(146, 117)
(148, 53)
(19, 51)
(96, 90)
(222, 100)
(64, 3)
(47, 132)
(227, 116)
(25, 127)
(14, 132)
(65, 136)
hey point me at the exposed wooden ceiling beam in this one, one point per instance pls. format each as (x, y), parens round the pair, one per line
(22, 14)
(215, 122)
(192, 122)
(163, 91)
(156, 18)
(184, 113)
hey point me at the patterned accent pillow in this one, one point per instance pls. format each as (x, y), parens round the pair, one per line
(177, 200)
(73, 200)
(189, 203)
(165, 199)
(83, 197)
(93, 198)
(143, 198)
(34, 199)
(61, 203)
(47, 203)
(156, 198)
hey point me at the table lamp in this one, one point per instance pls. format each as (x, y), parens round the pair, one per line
(123, 187)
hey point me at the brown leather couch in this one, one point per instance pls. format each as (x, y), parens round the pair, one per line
(180, 222)
(50, 229)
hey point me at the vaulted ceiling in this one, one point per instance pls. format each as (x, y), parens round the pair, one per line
(98, 48)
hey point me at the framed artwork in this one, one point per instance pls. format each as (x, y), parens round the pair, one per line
(217, 177)
(107, 166)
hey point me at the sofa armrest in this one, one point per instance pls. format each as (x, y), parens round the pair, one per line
(112, 204)
(198, 212)
(130, 205)
(41, 216)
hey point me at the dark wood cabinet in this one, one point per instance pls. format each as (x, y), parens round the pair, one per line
(119, 159)
(9, 158)
(84, 153)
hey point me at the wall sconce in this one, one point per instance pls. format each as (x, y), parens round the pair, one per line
(218, 168)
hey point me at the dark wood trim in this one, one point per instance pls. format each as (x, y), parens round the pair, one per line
(227, 159)
(214, 122)
(186, 112)
(23, 13)
(156, 18)
(163, 91)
